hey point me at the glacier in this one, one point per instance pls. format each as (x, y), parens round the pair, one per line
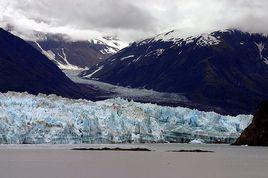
(50, 119)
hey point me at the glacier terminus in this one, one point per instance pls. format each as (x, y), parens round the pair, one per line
(50, 119)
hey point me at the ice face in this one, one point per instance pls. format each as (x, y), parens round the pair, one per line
(40, 119)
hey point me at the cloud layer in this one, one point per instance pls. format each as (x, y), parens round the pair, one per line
(131, 20)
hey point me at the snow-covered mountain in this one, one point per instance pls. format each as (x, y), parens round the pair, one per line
(226, 70)
(75, 55)
(111, 44)
(41, 119)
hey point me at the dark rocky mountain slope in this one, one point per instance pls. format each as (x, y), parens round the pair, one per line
(257, 132)
(225, 71)
(80, 54)
(25, 69)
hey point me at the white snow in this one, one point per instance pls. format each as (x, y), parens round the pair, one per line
(157, 52)
(197, 141)
(266, 61)
(27, 118)
(109, 50)
(261, 48)
(67, 65)
(113, 44)
(127, 57)
(207, 40)
(188, 40)
(91, 74)
(49, 54)
(176, 36)
(135, 60)
(52, 56)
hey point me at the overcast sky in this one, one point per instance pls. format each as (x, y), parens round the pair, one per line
(132, 19)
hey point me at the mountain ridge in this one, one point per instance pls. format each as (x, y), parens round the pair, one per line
(76, 54)
(209, 68)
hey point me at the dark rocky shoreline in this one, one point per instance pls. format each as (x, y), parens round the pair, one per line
(257, 132)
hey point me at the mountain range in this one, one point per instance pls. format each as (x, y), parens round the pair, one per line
(76, 55)
(225, 71)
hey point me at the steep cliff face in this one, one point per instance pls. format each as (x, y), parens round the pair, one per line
(257, 132)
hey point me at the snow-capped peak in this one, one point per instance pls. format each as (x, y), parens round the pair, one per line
(207, 40)
(176, 36)
(63, 51)
(113, 44)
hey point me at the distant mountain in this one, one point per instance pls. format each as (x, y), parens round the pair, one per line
(226, 71)
(25, 69)
(68, 54)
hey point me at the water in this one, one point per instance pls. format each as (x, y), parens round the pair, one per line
(59, 161)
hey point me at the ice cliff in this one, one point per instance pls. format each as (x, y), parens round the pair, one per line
(26, 118)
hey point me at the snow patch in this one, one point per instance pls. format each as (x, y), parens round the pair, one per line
(49, 54)
(176, 36)
(261, 48)
(207, 40)
(112, 44)
(135, 60)
(157, 52)
(67, 65)
(52, 56)
(266, 61)
(127, 57)
(97, 70)
(108, 50)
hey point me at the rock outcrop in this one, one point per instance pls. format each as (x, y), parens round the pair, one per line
(257, 132)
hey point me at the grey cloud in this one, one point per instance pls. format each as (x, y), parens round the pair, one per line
(132, 20)
(88, 14)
